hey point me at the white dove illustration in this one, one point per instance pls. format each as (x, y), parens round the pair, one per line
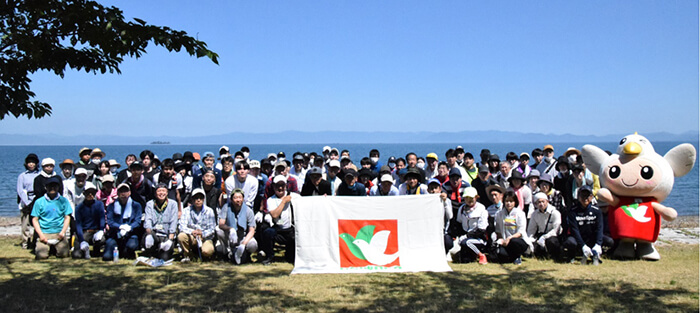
(638, 213)
(374, 250)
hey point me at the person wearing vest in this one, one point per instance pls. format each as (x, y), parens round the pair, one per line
(237, 228)
(160, 224)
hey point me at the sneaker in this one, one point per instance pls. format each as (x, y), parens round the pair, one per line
(482, 259)
(261, 255)
(596, 261)
(267, 261)
(185, 260)
(517, 261)
(584, 260)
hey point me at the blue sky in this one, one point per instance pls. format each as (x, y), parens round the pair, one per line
(585, 67)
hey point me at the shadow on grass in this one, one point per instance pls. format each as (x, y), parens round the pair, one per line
(518, 290)
(63, 285)
(68, 285)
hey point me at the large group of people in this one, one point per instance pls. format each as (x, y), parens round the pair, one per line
(204, 207)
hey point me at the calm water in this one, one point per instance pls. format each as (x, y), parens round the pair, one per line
(684, 197)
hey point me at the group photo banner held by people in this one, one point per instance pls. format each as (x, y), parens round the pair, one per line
(369, 234)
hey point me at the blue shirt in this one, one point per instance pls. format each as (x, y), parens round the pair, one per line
(89, 217)
(51, 213)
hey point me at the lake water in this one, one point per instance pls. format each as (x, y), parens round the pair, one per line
(684, 197)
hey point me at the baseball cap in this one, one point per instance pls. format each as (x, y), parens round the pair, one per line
(279, 178)
(48, 161)
(455, 171)
(470, 192)
(254, 164)
(432, 155)
(386, 177)
(81, 171)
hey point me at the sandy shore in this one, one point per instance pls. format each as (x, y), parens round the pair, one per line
(684, 229)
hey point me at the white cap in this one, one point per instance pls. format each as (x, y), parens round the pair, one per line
(225, 148)
(334, 163)
(80, 171)
(386, 177)
(539, 196)
(198, 191)
(48, 161)
(89, 185)
(470, 192)
(279, 178)
(254, 164)
(326, 148)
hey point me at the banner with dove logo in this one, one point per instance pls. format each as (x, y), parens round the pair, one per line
(369, 234)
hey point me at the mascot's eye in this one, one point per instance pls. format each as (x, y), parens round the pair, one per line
(647, 172)
(623, 141)
(614, 172)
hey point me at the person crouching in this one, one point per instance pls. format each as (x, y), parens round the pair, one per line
(89, 224)
(160, 224)
(237, 227)
(197, 226)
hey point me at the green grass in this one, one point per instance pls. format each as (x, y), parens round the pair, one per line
(56, 285)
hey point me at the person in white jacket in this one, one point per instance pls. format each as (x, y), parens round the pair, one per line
(544, 228)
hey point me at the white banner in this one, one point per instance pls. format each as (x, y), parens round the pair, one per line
(369, 234)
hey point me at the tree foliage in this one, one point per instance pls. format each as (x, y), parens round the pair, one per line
(55, 35)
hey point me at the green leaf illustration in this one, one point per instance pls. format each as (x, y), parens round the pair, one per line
(626, 208)
(366, 233)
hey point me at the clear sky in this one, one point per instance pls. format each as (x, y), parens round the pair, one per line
(583, 67)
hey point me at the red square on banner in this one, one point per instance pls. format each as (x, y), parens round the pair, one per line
(368, 243)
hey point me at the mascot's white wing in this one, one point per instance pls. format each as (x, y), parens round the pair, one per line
(593, 157)
(681, 158)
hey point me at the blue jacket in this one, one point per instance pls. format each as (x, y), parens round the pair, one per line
(115, 220)
(89, 217)
(197, 174)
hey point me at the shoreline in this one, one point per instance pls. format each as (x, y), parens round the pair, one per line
(684, 221)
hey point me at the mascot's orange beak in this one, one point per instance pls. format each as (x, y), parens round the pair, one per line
(632, 148)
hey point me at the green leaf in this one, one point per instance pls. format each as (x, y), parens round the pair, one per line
(366, 233)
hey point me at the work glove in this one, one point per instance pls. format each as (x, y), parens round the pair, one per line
(52, 242)
(540, 242)
(84, 246)
(587, 253)
(259, 217)
(125, 227)
(166, 245)
(98, 236)
(149, 241)
(232, 237)
(239, 254)
(598, 250)
(268, 219)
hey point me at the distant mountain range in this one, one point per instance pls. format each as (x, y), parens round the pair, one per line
(335, 137)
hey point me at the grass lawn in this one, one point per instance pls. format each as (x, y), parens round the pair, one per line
(63, 285)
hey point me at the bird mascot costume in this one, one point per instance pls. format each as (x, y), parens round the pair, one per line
(635, 180)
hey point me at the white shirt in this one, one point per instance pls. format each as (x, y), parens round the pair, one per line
(285, 218)
(539, 223)
(249, 186)
(473, 218)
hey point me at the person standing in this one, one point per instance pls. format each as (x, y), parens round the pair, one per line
(25, 196)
